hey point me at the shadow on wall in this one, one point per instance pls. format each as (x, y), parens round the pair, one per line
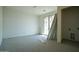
(70, 23)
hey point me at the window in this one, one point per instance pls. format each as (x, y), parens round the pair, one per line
(48, 23)
(51, 20)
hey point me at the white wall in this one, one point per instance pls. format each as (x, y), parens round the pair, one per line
(0, 25)
(70, 19)
(17, 23)
(41, 18)
(59, 35)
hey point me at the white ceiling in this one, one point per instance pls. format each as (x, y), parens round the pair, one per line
(36, 10)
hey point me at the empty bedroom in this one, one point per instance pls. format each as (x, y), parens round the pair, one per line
(38, 29)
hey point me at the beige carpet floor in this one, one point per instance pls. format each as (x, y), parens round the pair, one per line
(37, 43)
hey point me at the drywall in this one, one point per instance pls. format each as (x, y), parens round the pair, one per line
(41, 20)
(0, 25)
(17, 23)
(59, 15)
(70, 23)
